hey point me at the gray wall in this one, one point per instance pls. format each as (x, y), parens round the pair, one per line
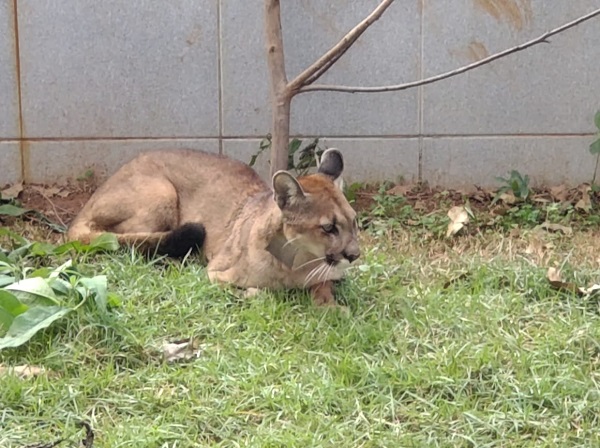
(88, 83)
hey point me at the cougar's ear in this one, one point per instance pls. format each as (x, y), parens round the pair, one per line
(286, 190)
(332, 163)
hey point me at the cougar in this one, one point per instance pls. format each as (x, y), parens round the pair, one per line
(301, 233)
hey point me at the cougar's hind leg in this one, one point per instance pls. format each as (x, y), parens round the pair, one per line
(134, 204)
(149, 205)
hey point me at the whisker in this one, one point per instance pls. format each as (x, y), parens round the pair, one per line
(311, 274)
(326, 273)
(316, 271)
(289, 242)
(308, 262)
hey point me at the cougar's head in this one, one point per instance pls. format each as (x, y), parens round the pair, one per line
(317, 218)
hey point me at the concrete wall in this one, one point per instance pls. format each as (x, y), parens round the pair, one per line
(88, 83)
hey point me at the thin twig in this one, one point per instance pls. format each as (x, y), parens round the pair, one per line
(331, 56)
(327, 65)
(53, 208)
(392, 88)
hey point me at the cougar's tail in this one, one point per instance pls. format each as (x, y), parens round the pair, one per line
(185, 238)
(176, 243)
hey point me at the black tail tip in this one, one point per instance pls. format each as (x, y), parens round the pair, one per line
(184, 239)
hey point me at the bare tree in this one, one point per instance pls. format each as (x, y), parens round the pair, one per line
(283, 91)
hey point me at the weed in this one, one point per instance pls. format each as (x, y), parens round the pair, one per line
(595, 146)
(515, 183)
(301, 159)
(87, 176)
(33, 298)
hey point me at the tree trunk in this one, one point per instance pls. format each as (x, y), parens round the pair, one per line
(280, 131)
(280, 94)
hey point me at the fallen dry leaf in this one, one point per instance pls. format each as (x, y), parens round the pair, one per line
(400, 190)
(47, 191)
(478, 196)
(591, 290)
(538, 247)
(559, 193)
(557, 283)
(553, 275)
(13, 191)
(540, 199)
(182, 349)
(585, 203)
(23, 371)
(420, 205)
(552, 227)
(508, 198)
(458, 219)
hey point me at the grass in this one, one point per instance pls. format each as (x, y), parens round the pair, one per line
(456, 343)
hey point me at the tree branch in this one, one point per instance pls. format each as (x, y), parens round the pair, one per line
(321, 65)
(392, 88)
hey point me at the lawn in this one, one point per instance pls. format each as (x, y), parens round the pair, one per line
(450, 342)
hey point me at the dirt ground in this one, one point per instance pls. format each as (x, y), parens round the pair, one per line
(61, 203)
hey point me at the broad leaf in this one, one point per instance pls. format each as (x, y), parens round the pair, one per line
(40, 272)
(60, 286)
(21, 251)
(6, 280)
(62, 268)
(71, 245)
(97, 286)
(294, 145)
(5, 260)
(13, 235)
(595, 147)
(12, 210)
(106, 241)
(10, 307)
(11, 304)
(26, 325)
(597, 120)
(33, 291)
(6, 320)
(41, 249)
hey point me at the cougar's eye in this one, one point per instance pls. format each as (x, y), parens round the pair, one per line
(329, 228)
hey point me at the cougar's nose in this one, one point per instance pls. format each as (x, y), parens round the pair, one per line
(351, 256)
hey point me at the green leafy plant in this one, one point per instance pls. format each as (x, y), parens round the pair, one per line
(264, 145)
(300, 158)
(351, 191)
(32, 299)
(595, 147)
(515, 183)
(388, 205)
(13, 209)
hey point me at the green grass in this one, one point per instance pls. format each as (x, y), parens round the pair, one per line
(496, 358)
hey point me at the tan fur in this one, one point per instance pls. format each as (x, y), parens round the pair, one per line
(252, 240)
